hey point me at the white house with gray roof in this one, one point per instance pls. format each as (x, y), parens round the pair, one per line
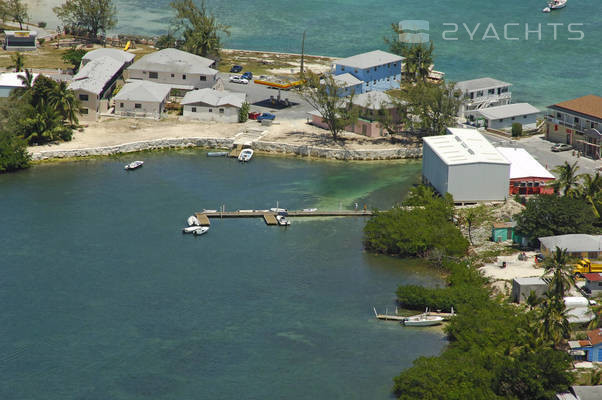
(142, 99)
(213, 105)
(502, 117)
(94, 84)
(481, 93)
(466, 165)
(577, 245)
(119, 55)
(377, 70)
(177, 68)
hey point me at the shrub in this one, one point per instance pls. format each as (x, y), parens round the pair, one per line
(42, 24)
(517, 129)
(243, 113)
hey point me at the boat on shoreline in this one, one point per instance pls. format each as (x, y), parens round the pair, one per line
(245, 155)
(133, 165)
(555, 5)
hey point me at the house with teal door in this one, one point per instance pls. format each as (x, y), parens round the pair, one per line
(503, 231)
(377, 70)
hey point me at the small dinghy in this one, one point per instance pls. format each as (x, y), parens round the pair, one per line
(201, 231)
(191, 229)
(282, 220)
(245, 155)
(133, 165)
(217, 154)
(192, 221)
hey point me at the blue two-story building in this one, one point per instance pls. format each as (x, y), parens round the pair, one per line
(377, 70)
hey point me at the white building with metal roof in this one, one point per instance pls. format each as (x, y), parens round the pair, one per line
(94, 84)
(502, 117)
(142, 99)
(481, 93)
(464, 164)
(377, 70)
(117, 54)
(12, 80)
(213, 105)
(576, 245)
(177, 68)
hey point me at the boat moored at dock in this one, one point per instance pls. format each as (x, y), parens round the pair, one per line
(201, 231)
(245, 155)
(423, 320)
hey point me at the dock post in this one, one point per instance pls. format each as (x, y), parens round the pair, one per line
(375, 313)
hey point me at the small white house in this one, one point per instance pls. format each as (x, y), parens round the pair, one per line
(464, 164)
(502, 117)
(12, 80)
(213, 105)
(142, 99)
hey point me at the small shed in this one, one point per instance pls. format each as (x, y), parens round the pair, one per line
(522, 288)
(593, 281)
(503, 231)
(20, 40)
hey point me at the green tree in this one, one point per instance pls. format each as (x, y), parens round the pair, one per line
(64, 102)
(549, 215)
(18, 11)
(89, 16)
(473, 216)
(420, 195)
(243, 113)
(591, 191)
(4, 10)
(13, 152)
(561, 278)
(168, 40)
(517, 129)
(568, 179)
(199, 28)
(74, 57)
(555, 325)
(17, 62)
(324, 96)
(418, 56)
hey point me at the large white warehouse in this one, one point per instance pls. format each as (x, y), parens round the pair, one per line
(464, 164)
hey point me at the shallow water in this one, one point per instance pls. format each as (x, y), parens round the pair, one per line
(104, 298)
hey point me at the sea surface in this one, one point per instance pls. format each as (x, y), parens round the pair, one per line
(544, 68)
(104, 298)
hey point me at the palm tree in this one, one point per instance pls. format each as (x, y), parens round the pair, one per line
(418, 61)
(64, 102)
(590, 191)
(562, 278)
(27, 79)
(568, 180)
(18, 62)
(555, 325)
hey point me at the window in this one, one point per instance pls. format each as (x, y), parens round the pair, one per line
(184, 77)
(375, 82)
(172, 75)
(221, 110)
(83, 111)
(193, 109)
(576, 120)
(83, 97)
(479, 93)
(491, 91)
(389, 65)
(144, 72)
(203, 78)
(395, 65)
(558, 115)
(356, 70)
(342, 68)
(153, 75)
(375, 68)
(211, 110)
(137, 105)
(513, 118)
(120, 105)
(501, 120)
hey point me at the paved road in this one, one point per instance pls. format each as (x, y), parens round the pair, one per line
(42, 33)
(539, 148)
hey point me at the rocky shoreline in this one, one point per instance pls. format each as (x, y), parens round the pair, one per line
(226, 143)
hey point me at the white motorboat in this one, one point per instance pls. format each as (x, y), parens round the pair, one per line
(282, 220)
(191, 229)
(310, 209)
(278, 210)
(423, 320)
(245, 155)
(192, 221)
(205, 211)
(133, 165)
(555, 5)
(201, 231)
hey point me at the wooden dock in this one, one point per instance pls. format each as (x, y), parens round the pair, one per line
(270, 219)
(235, 152)
(203, 220)
(398, 318)
(261, 213)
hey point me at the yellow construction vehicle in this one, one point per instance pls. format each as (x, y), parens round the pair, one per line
(585, 266)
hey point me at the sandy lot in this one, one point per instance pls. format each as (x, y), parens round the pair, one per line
(515, 268)
(111, 132)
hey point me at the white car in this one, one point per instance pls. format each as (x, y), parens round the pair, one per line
(238, 79)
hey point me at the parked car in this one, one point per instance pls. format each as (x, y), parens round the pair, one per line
(238, 79)
(265, 116)
(236, 69)
(254, 114)
(248, 75)
(561, 147)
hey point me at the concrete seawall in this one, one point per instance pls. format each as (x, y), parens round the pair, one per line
(222, 143)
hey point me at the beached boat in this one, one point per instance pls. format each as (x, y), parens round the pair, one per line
(555, 5)
(201, 231)
(133, 165)
(282, 220)
(192, 221)
(191, 229)
(245, 155)
(217, 154)
(423, 320)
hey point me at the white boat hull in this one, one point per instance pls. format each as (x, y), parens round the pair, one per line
(192, 221)
(282, 221)
(134, 165)
(423, 320)
(201, 231)
(245, 155)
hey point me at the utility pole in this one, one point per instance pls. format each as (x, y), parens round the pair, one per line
(302, 54)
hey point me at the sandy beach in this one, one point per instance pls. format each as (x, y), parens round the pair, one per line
(285, 136)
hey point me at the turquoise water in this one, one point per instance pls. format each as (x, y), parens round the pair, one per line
(103, 297)
(543, 72)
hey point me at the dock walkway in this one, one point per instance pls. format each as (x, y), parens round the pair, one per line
(262, 213)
